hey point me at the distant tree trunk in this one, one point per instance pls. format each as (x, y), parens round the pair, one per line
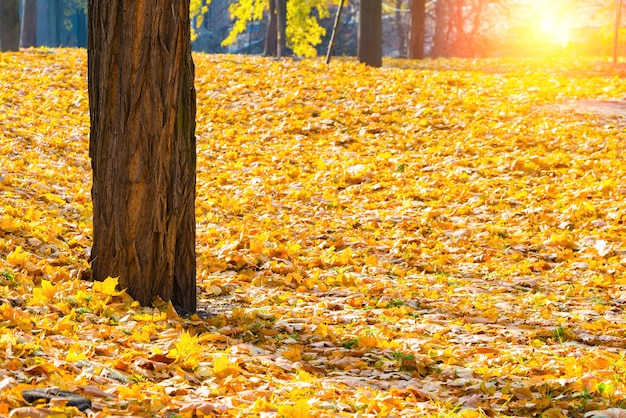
(142, 147)
(618, 24)
(55, 18)
(459, 43)
(417, 29)
(401, 31)
(28, 34)
(271, 35)
(9, 25)
(370, 49)
(333, 36)
(281, 21)
(441, 23)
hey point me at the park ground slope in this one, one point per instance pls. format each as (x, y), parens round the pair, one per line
(436, 238)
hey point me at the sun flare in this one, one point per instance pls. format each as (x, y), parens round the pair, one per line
(550, 22)
(555, 29)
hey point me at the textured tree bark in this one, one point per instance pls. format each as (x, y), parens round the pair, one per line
(9, 25)
(28, 34)
(142, 147)
(370, 49)
(417, 29)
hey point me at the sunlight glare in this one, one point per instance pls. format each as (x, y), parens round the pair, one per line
(555, 30)
(551, 23)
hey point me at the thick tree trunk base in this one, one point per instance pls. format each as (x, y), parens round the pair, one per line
(142, 148)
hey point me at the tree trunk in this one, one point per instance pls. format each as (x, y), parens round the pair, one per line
(441, 24)
(401, 31)
(9, 25)
(28, 35)
(417, 29)
(370, 49)
(457, 20)
(271, 35)
(142, 147)
(281, 21)
(618, 24)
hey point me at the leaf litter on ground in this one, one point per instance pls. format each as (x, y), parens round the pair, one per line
(443, 237)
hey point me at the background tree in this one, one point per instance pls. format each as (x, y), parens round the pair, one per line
(244, 12)
(370, 49)
(28, 33)
(9, 25)
(271, 32)
(281, 27)
(401, 13)
(417, 29)
(618, 23)
(302, 29)
(469, 28)
(142, 148)
(275, 34)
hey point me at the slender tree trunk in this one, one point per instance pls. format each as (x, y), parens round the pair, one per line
(271, 35)
(417, 29)
(333, 36)
(401, 31)
(9, 25)
(55, 22)
(459, 41)
(618, 24)
(370, 49)
(28, 34)
(441, 25)
(142, 147)
(281, 14)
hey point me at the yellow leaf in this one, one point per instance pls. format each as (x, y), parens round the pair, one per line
(15, 316)
(43, 294)
(53, 198)
(301, 409)
(18, 257)
(553, 413)
(222, 367)
(208, 337)
(186, 350)
(368, 341)
(563, 240)
(107, 287)
(306, 377)
(9, 224)
(150, 317)
(470, 413)
(371, 260)
(74, 355)
(294, 354)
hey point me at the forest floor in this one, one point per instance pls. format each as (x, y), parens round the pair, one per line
(434, 238)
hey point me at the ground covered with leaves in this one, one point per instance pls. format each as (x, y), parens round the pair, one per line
(436, 238)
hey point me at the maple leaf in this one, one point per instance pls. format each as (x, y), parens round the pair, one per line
(223, 367)
(43, 294)
(18, 257)
(107, 287)
(187, 350)
(301, 409)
